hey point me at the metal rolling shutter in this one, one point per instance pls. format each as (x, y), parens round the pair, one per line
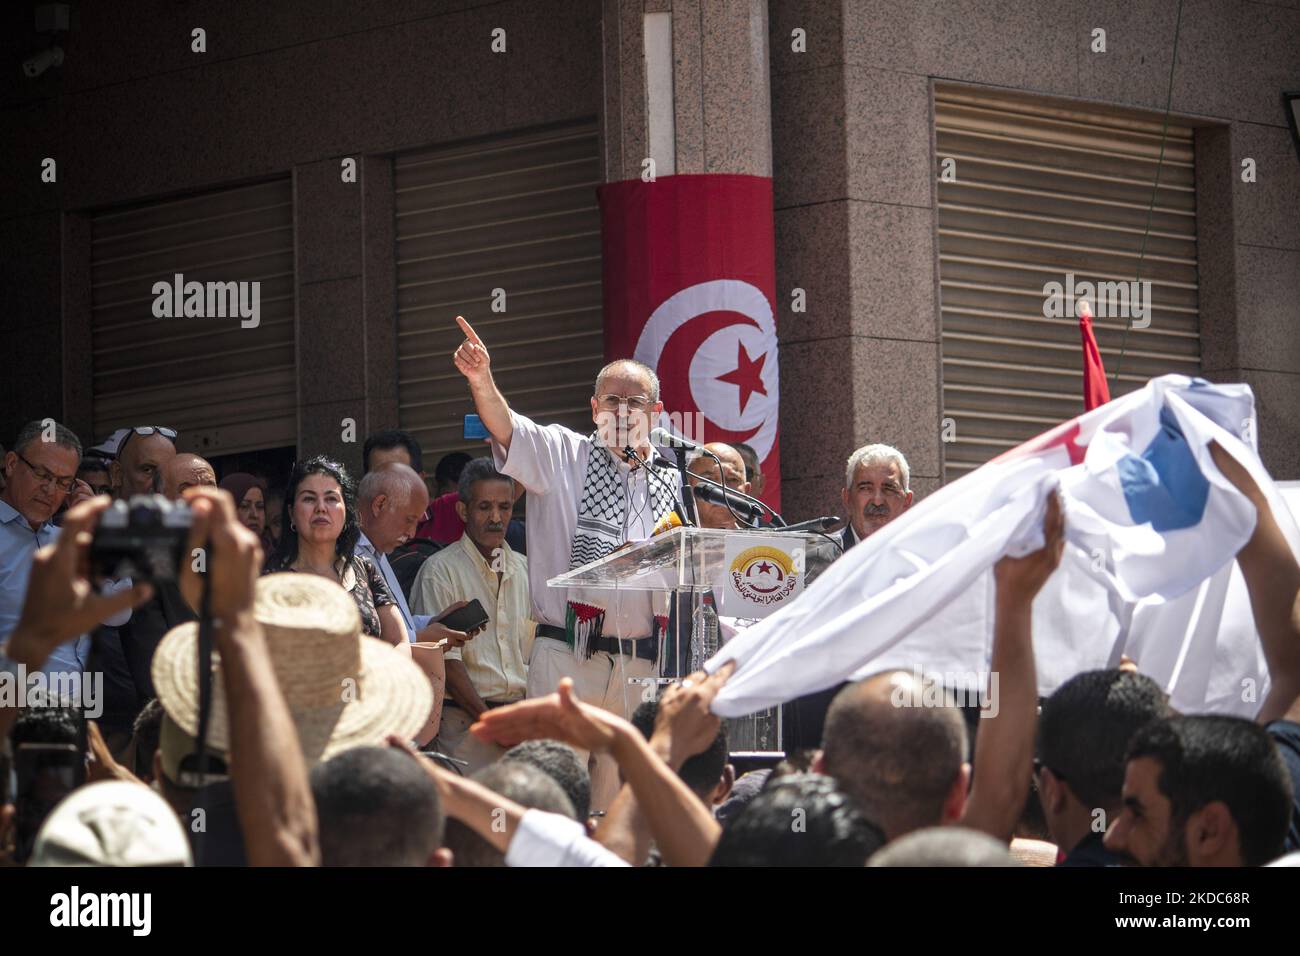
(518, 213)
(225, 388)
(1043, 191)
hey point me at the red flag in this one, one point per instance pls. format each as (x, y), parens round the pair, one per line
(690, 280)
(1095, 390)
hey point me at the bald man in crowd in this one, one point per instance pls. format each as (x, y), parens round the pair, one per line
(897, 741)
(711, 515)
(186, 470)
(391, 499)
(123, 653)
(142, 455)
(906, 766)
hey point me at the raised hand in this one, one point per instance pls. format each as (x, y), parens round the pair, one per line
(471, 356)
(61, 600)
(684, 725)
(1237, 473)
(81, 491)
(234, 558)
(1023, 578)
(472, 361)
(102, 765)
(559, 716)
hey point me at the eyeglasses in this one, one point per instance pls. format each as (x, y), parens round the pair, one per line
(637, 403)
(144, 431)
(65, 485)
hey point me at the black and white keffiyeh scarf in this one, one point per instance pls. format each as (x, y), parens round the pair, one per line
(602, 518)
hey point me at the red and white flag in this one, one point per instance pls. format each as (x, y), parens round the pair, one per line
(1095, 390)
(689, 288)
(1151, 529)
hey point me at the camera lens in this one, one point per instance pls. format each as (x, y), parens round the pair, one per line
(144, 514)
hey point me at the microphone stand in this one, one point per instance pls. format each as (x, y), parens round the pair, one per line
(690, 519)
(777, 520)
(687, 499)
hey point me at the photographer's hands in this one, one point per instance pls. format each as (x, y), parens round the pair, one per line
(272, 792)
(232, 555)
(62, 601)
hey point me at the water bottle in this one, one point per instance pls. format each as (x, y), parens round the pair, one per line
(704, 633)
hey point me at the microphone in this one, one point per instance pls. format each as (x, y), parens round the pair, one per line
(817, 525)
(629, 454)
(662, 436)
(717, 496)
(753, 507)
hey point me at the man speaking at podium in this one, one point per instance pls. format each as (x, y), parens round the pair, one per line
(587, 497)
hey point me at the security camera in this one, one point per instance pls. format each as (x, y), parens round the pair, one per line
(36, 65)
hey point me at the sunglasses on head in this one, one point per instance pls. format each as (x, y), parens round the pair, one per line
(144, 431)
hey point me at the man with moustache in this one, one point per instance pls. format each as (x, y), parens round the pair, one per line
(491, 670)
(876, 491)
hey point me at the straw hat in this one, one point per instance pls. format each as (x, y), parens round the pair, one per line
(343, 689)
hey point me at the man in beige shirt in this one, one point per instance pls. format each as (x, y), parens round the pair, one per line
(492, 669)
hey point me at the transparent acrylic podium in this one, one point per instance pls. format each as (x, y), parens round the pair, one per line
(692, 561)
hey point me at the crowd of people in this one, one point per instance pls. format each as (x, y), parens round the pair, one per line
(395, 683)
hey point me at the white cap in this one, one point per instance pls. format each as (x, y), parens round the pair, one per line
(112, 443)
(112, 823)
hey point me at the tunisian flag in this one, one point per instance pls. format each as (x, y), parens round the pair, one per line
(1095, 390)
(690, 279)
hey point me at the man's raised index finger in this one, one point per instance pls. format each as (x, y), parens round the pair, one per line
(469, 332)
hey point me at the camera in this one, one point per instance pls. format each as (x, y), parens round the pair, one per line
(143, 539)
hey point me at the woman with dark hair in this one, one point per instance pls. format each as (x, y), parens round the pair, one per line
(249, 493)
(319, 536)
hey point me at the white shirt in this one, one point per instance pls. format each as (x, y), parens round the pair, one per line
(551, 463)
(414, 622)
(549, 839)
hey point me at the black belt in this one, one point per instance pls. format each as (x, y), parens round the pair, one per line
(645, 648)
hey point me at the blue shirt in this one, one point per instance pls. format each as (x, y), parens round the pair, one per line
(414, 622)
(18, 545)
